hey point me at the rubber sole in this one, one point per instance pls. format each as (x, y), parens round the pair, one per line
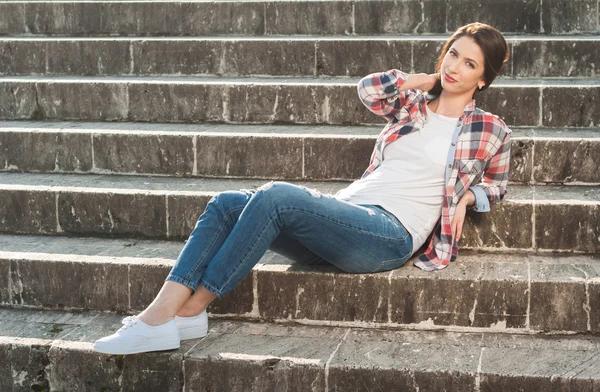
(142, 347)
(192, 333)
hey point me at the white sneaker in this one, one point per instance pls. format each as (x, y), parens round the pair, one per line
(192, 327)
(135, 336)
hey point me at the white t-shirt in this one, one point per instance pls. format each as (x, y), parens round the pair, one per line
(410, 181)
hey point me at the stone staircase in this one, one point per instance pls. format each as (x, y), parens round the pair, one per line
(119, 120)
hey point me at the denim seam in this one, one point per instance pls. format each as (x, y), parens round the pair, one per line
(214, 239)
(183, 281)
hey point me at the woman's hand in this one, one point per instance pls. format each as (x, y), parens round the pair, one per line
(457, 222)
(430, 81)
(459, 214)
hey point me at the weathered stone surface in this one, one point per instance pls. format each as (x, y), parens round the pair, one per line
(552, 370)
(176, 102)
(556, 304)
(562, 16)
(514, 105)
(318, 18)
(568, 227)
(145, 281)
(360, 58)
(184, 57)
(240, 300)
(243, 156)
(481, 290)
(5, 295)
(78, 101)
(22, 365)
(98, 286)
(262, 357)
(582, 110)
(32, 212)
(556, 58)
(427, 53)
(411, 17)
(88, 57)
(508, 16)
(19, 101)
(275, 103)
(367, 361)
(63, 18)
(352, 157)
(144, 153)
(322, 296)
(566, 161)
(521, 159)
(217, 17)
(22, 57)
(296, 58)
(507, 225)
(13, 19)
(342, 106)
(183, 213)
(594, 297)
(111, 214)
(46, 152)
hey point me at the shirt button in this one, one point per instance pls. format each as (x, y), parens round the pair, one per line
(454, 144)
(449, 166)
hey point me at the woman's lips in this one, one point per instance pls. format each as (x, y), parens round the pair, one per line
(449, 79)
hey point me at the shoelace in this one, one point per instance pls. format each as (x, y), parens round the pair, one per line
(128, 322)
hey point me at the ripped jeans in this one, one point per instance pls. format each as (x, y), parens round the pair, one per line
(237, 228)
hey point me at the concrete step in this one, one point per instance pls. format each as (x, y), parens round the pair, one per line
(480, 291)
(314, 100)
(146, 207)
(531, 56)
(176, 18)
(53, 350)
(300, 152)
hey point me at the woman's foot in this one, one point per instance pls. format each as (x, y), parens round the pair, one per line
(135, 336)
(193, 327)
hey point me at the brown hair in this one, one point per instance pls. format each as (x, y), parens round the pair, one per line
(493, 45)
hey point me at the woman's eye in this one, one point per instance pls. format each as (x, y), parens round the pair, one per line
(471, 65)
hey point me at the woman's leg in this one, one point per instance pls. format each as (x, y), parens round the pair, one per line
(355, 238)
(211, 231)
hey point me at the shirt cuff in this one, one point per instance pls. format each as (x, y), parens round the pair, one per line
(482, 204)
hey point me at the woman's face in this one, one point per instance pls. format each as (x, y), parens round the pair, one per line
(464, 62)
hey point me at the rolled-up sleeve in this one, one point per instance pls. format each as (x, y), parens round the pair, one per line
(493, 186)
(380, 93)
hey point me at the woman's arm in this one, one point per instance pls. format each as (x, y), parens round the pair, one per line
(492, 187)
(385, 93)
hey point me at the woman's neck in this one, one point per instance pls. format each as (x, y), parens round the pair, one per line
(449, 105)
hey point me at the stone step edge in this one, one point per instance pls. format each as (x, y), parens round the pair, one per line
(264, 131)
(282, 269)
(257, 355)
(510, 38)
(9, 181)
(550, 82)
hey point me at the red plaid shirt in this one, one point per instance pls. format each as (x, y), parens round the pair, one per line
(478, 160)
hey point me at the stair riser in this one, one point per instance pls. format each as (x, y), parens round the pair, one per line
(487, 293)
(536, 160)
(179, 101)
(277, 58)
(276, 18)
(72, 366)
(144, 214)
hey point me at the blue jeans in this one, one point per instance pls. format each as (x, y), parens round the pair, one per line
(237, 228)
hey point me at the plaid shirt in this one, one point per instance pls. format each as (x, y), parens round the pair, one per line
(478, 159)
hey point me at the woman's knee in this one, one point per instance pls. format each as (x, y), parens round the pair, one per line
(229, 200)
(284, 191)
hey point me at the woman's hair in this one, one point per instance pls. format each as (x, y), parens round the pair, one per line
(493, 45)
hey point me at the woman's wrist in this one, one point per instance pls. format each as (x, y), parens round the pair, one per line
(468, 198)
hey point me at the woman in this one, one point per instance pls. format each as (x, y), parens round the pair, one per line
(449, 156)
